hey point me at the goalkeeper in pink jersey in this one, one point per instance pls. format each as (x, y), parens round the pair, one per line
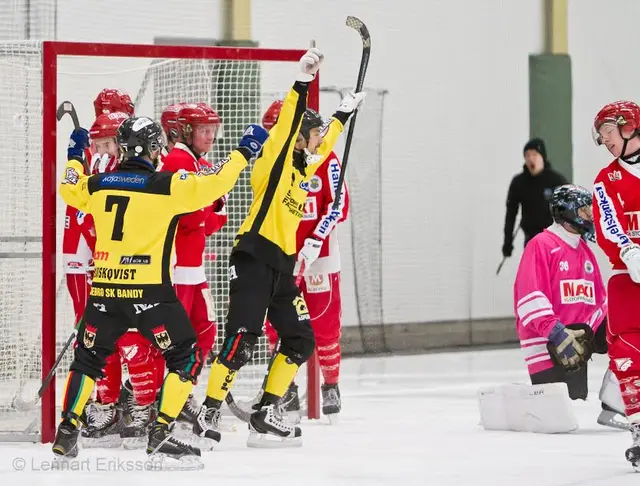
(561, 303)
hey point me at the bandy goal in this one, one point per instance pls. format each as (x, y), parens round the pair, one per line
(36, 315)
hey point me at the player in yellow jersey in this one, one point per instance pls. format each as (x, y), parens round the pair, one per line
(263, 259)
(136, 211)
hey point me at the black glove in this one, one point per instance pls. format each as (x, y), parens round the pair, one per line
(507, 250)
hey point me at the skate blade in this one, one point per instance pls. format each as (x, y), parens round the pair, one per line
(133, 443)
(202, 443)
(107, 442)
(270, 441)
(334, 418)
(162, 462)
(613, 420)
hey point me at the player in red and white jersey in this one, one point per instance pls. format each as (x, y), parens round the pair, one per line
(317, 244)
(194, 133)
(616, 211)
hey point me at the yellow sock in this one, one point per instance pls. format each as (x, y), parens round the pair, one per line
(280, 376)
(220, 381)
(173, 396)
(77, 391)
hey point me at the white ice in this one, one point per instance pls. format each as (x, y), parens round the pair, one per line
(407, 420)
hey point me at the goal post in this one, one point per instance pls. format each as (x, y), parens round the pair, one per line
(238, 82)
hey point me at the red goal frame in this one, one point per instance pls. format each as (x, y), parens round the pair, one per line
(51, 50)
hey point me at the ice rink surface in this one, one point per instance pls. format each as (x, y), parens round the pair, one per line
(407, 420)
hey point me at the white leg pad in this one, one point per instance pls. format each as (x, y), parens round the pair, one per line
(610, 392)
(544, 409)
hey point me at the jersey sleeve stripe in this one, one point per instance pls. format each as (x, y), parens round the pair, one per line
(531, 317)
(537, 340)
(532, 295)
(534, 351)
(536, 304)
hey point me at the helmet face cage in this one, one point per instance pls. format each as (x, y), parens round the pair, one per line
(565, 206)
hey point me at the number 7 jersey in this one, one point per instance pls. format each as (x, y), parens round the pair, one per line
(136, 211)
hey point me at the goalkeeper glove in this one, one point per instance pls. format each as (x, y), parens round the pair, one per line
(565, 341)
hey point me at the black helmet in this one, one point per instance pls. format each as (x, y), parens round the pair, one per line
(310, 119)
(565, 202)
(140, 136)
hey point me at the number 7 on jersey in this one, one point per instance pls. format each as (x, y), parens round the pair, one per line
(121, 203)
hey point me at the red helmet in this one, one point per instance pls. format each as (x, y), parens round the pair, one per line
(169, 120)
(620, 113)
(111, 101)
(193, 114)
(106, 125)
(271, 115)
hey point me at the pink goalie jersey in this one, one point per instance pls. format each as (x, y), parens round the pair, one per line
(558, 280)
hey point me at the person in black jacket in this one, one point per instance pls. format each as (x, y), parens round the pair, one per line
(531, 189)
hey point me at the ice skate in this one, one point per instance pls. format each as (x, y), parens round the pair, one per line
(103, 426)
(136, 423)
(633, 453)
(267, 429)
(205, 429)
(611, 418)
(331, 402)
(290, 404)
(168, 453)
(65, 444)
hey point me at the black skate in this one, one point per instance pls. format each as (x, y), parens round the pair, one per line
(189, 413)
(168, 453)
(289, 406)
(206, 427)
(136, 423)
(633, 453)
(103, 426)
(267, 429)
(66, 442)
(331, 402)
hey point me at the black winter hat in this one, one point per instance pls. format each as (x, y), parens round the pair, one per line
(536, 144)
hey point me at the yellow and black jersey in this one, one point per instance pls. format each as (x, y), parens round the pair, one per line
(280, 190)
(136, 211)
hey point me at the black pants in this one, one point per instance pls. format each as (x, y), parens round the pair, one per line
(258, 291)
(165, 324)
(576, 380)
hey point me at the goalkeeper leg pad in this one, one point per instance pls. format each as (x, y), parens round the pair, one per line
(543, 408)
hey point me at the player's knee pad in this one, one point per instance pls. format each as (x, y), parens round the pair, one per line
(89, 362)
(299, 348)
(237, 350)
(185, 359)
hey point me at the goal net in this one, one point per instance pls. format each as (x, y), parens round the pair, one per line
(34, 79)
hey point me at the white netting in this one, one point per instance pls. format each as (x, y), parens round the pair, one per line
(27, 19)
(239, 91)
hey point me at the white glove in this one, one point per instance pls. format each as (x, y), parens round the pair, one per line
(352, 102)
(630, 255)
(309, 65)
(310, 251)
